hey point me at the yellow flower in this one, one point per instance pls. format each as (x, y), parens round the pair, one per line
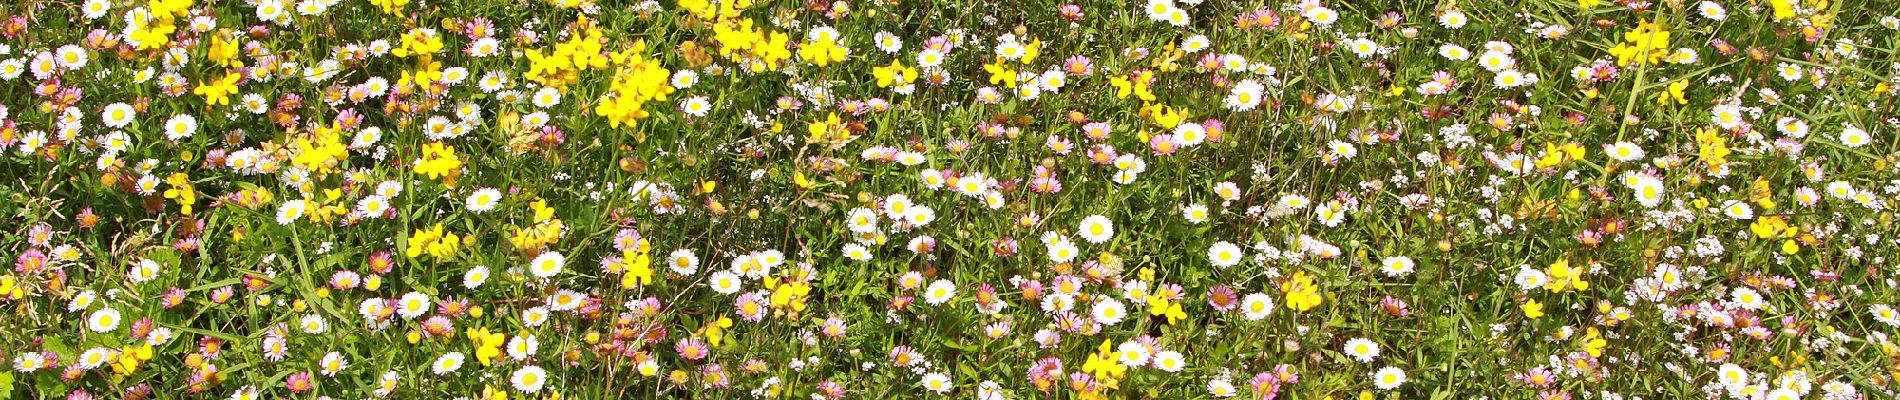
(1532, 309)
(1557, 155)
(1674, 94)
(821, 52)
(438, 161)
(419, 42)
(790, 296)
(321, 155)
(1104, 366)
(638, 81)
(432, 241)
(827, 129)
(391, 7)
(1000, 75)
(1784, 9)
(715, 331)
(1593, 342)
(487, 344)
(1712, 148)
(1159, 305)
(218, 92)
(1301, 293)
(181, 191)
(223, 51)
(1772, 227)
(1563, 277)
(1164, 116)
(733, 37)
(640, 273)
(1648, 43)
(894, 75)
(1137, 86)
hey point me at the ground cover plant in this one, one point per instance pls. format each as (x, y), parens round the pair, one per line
(1038, 199)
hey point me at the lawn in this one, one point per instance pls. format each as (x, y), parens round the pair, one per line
(917, 199)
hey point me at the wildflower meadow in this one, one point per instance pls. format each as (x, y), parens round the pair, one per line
(969, 199)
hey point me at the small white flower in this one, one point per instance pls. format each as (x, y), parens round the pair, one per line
(529, 379)
(1097, 229)
(940, 291)
(1388, 378)
(104, 320)
(118, 115)
(547, 265)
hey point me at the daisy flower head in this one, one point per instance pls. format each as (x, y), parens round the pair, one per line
(104, 320)
(683, 262)
(1388, 378)
(474, 277)
(1170, 360)
(937, 382)
(118, 115)
(180, 127)
(1224, 254)
(1256, 306)
(1397, 266)
(447, 363)
(940, 291)
(412, 305)
(1453, 19)
(1362, 349)
(1108, 311)
(1097, 229)
(1853, 136)
(724, 282)
(483, 200)
(547, 265)
(1195, 213)
(529, 379)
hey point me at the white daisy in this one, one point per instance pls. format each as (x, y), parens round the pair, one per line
(1362, 349)
(1170, 360)
(1388, 378)
(529, 379)
(725, 282)
(118, 115)
(1109, 311)
(475, 277)
(547, 265)
(1224, 255)
(447, 363)
(939, 292)
(181, 127)
(1256, 306)
(483, 200)
(412, 305)
(1397, 266)
(104, 320)
(1097, 229)
(683, 262)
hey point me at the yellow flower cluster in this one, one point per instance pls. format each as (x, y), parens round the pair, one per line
(439, 161)
(638, 80)
(433, 242)
(154, 28)
(1648, 43)
(322, 152)
(1563, 277)
(760, 49)
(537, 237)
(1301, 293)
